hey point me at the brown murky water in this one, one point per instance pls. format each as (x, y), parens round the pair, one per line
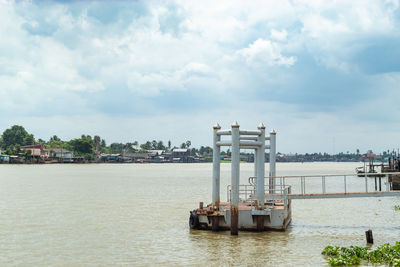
(132, 214)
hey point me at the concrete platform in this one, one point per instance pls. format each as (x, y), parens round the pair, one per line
(276, 216)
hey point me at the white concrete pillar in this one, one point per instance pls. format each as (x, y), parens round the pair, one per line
(255, 162)
(272, 162)
(235, 177)
(261, 167)
(216, 168)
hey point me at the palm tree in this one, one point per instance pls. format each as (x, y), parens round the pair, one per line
(96, 141)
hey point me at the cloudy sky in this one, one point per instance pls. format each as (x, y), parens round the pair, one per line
(324, 74)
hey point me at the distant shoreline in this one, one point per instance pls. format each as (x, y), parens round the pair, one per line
(142, 163)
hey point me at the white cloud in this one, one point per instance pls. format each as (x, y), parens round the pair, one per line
(265, 52)
(278, 35)
(233, 52)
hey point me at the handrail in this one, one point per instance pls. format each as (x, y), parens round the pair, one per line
(340, 174)
(251, 178)
(281, 184)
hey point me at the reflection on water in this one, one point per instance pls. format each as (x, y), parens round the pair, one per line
(138, 215)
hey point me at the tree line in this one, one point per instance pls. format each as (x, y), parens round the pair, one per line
(87, 146)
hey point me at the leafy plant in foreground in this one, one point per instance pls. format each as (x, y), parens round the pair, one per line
(354, 255)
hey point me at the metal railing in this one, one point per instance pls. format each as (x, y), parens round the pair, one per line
(381, 186)
(247, 193)
(367, 176)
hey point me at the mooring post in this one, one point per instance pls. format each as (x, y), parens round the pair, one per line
(272, 160)
(260, 176)
(216, 176)
(235, 169)
(369, 237)
(387, 182)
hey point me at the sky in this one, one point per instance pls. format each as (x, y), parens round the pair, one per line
(325, 75)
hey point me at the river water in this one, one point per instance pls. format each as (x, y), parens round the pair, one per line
(137, 214)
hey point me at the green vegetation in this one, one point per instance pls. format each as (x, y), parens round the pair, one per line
(228, 161)
(397, 208)
(16, 136)
(13, 138)
(82, 146)
(155, 145)
(354, 255)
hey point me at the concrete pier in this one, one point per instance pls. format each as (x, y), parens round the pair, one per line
(272, 162)
(252, 212)
(216, 176)
(260, 167)
(235, 170)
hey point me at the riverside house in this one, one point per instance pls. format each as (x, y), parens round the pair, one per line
(181, 155)
(61, 155)
(58, 154)
(4, 158)
(37, 151)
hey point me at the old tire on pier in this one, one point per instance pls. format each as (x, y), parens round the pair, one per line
(194, 222)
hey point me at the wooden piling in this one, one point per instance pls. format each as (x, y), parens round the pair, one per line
(234, 220)
(260, 223)
(369, 237)
(215, 223)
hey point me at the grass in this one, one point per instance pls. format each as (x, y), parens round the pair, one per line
(354, 255)
(228, 161)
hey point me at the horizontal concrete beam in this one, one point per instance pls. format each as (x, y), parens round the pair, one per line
(224, 132)
(253, 138)
(243, 144)
(247, 132)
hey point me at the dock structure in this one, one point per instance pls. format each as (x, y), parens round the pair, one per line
(265, 203)
(255, 211)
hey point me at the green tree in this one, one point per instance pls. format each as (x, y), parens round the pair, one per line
(146, 146)
(27, 154)
(82, 146)
(97, 142)
(160, 145)
(14, 136)
(29, 140)
(56, 142)
(116, 148)
(154, 144)
(188, 143)
(54, 138)
(9, 151)
(40, 141)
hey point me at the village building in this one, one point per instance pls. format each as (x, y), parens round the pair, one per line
(4, 158)
(110, 157)
(61, 155)
(156, 155)
(137, 157)
(37, 151)
(40, 152)
(181, 155)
